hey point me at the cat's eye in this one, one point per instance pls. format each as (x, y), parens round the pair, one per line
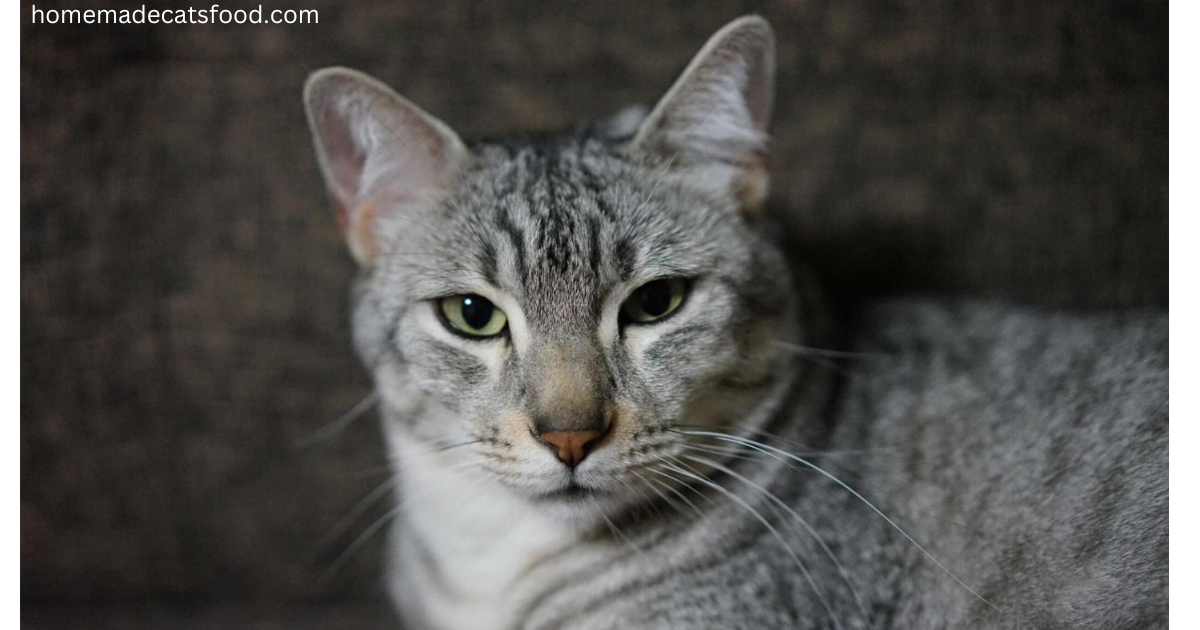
(654, 300)
(472, 315)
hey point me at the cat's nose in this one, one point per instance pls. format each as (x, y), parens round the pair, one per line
(571, 446)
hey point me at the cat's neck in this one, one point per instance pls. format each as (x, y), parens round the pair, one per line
(465, 542)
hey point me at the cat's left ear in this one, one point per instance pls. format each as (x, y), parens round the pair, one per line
(716, 115)
(380, 154)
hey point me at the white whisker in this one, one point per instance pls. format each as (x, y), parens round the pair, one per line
(340, 424)
(656, 490)
(780, 454)
(825, 353)
(617, 533)
(791, 512)
(354, 546)
(354, 514)
(771, 528)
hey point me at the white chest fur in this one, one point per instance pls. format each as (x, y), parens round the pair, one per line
(464, 545)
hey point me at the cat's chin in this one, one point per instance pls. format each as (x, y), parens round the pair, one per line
(573, 492)
(576, 504)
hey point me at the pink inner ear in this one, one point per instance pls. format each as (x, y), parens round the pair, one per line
(759, 92)
(345, 164)
(379, 153)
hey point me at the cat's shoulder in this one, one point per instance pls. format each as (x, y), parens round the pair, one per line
(989, 329)
(1022, 364)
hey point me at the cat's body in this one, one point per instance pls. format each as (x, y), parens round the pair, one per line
(601, 398)
(1026, 451)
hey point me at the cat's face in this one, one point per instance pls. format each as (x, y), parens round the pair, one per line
(553, 293)
(547, 311)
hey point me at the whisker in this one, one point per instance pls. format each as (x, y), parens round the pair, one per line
(791, 552)
(826, 353)
(337, 426)
(809, 451)
(683, 483)
(728, 453)
(791, 512)
(617, 533)
(374, 527)
(644, 500)
(674, 155)
(449, 438)
(354, 514)
(657, 491)
(772, 450)
(828, 364)
(949, 522)
(452, 446)
(681, 496)
(354, 546)
(660, 178)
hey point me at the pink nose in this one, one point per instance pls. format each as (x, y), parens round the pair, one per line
(571, 446)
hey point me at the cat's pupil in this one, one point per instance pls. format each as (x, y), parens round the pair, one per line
(655, 298)
(476, 311)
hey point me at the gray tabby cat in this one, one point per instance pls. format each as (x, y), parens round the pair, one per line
(604, 409)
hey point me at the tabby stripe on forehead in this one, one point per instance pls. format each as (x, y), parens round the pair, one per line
(594, 243)
(488, 261)
(517, 237)
(626, 259)
(596, 184)
(602, 204)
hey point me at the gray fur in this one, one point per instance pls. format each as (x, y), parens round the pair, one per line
(1025, 452)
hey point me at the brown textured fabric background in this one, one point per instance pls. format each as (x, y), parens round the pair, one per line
(183, 313)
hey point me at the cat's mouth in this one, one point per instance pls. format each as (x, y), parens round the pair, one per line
(571, 492)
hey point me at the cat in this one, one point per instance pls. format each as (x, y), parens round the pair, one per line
(603, 395)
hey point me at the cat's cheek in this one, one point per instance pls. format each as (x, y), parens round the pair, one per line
(399, 390)
(760, 352)
(490, 354)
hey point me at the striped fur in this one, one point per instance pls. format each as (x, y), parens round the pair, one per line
(1016, 461)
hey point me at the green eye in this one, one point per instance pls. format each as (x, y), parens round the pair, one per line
(654, 300)
(472, 315)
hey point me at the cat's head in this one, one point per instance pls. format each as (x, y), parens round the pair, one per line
(560, 304)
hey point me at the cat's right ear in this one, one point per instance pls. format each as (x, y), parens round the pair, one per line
(379, 153)
(717, 113)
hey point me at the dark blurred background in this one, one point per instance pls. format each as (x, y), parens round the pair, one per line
(183, 317)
